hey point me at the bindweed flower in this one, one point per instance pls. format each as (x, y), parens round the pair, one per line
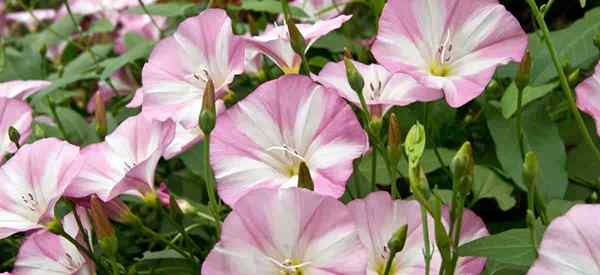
(453, 46)
(570, 244)
(44, 253)
(202, 48)
(320, 9)
(377, 217)
(382, 89)
(125, 161)
(261, 141)
(18, 115)
(287, 231)
(588, 96)
(140, 24)
(252, 62)
(21, 89)
(275, 42)
(31, 183)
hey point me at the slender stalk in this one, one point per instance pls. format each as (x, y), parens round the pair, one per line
(427, 250)
(389, 263)
(157, 237)
(182, 231)
(520, 122)
(374, 169)
(189, 228)
(61, 127)
(212, 200)
(151, 18)
(456, 237)
(562, 76)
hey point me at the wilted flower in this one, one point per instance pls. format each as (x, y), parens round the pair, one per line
(261, 141)
(287, 231)
(275, 42)
(588, 96)
(453, 46)
(125, 161)
(44, 253)
(570, 244)
(31, 183)
(382, 89)
(377, 217)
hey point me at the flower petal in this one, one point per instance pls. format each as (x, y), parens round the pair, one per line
(588, 96)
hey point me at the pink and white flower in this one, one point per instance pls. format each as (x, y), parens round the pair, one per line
(320, 9)
(25, 18)
(287, 231)
(377, 217)
(22, 89)
(125, 161)
(31, 183)
(13, 113)
(275, 42)
(571, 244)
(261, 141)
(588, 96)
(382, 89)
(202, 48)
(44, 253)
(450, 45)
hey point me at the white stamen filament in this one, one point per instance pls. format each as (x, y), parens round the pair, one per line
(445, 50)
(286, 149)
(30, 202)
(286, 265)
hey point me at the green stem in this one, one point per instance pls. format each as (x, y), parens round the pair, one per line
(157, 237)
(115, 266)
(456, 237)
(427, 250)
(520, 122)
(182, 231)
(389, 263)
(564, 82)
(151, 18)
(210, 188)
(61, 127)
(374, 170)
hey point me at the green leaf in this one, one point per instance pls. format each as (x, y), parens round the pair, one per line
(530, 94)
(540, 136)
(582, 164)
(511, 247)
(166, 9)
(113, 64)
(100, 26)
(25, 64)
(78, 130)
(556, 208)
(193, 160)
(268, 6)
(488, 184)
(334, 42)
(429, 161)
(86, 61)
(358, 187)
(498, 268)
(382, 176)
(58, 31)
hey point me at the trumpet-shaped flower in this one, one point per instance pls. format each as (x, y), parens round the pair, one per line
(571, 244)
(125, 161)
(17, 114)
(287, 231)
(202, 48)
(21, 89)
(320, 9)
(588, 96)
(450, 45)
(382, 89)
(377, 217)
(261, 141)
(44, 253)
(31, 183)
(275, 42)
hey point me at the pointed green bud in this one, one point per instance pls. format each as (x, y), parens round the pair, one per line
(415, 144)
(593, 198)
(597, 41)
(100, 117)
(356, 81)
(208, 115)
(304, 179)
(463, 169)
(530, 169)
(375, 125)
(14, 136)
(55, 227)
(175, 212)
(119, 212)
(394, 139)
(524, 73)
(398, 240)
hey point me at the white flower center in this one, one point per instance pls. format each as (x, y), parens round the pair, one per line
(288, 157)
(290, 266)
(30, 202)
(198, 79)
(375, 90)
(440, 66)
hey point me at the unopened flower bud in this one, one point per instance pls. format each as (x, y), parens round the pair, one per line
(375, 125)
(100, 117)
(415, 144)
(524, 72)
(55, 227)
(394, 139)
(355, 80)
(530, 169)
(463, 168)
(208, 115)
(14, 136)
(119, 212)
(103, 228)
(398, 240)
(593, 198)
(304, 178)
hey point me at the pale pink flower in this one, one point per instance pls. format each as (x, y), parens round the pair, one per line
(320, 9)
(377, 217)
(275, 42)
(571, 244)
(588, 96)
(252, 61)
(140, 24)
(202, 48)
(25, 18)
(31, 183)
(382, 89)
(21, 89)
(287, 231)
(261, 141)
(13, 113)
(450, 45)
(123, 83)
(125, 161)
(44, 253)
